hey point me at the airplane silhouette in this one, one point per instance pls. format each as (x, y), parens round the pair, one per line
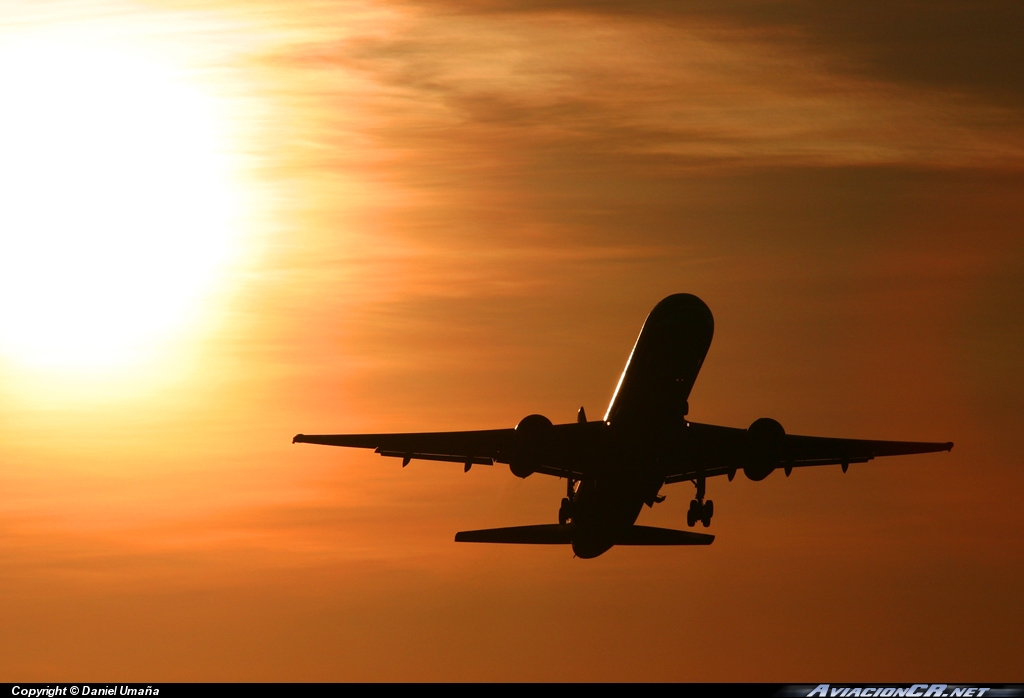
(615, 466)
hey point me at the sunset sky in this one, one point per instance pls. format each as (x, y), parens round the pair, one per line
(226, 222)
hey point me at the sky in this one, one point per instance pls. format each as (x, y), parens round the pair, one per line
(226, 223)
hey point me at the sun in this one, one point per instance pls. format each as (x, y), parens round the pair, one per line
(116, 202)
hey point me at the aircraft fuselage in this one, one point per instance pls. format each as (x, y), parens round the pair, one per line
(604, 508)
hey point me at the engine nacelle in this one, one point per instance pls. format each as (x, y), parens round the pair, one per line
(532, 444)
(765, 443)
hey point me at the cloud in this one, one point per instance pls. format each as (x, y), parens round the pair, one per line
(462, 96)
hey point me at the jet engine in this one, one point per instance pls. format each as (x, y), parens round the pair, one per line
(533, 438)
(765, 442)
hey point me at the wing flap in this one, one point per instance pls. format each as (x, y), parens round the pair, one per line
(408, 456)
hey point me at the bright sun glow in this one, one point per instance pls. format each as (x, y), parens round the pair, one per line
(116, 208)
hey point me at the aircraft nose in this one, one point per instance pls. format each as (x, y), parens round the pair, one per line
(683, 305)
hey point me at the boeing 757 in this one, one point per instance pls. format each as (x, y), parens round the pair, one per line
(616, 465)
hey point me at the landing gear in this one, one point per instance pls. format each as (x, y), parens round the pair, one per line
(565, 511)
(699, 509)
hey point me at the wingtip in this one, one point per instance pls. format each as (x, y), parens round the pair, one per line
(949, 445)
(297, 438)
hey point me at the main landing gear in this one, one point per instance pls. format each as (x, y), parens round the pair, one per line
(699, 509)
(565, 512)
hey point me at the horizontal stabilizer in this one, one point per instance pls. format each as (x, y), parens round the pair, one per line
(649, 535)
(541, 534)
(562, 534)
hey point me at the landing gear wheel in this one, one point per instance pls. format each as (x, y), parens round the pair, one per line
(565, 511)
(707, 511)
(694, 514)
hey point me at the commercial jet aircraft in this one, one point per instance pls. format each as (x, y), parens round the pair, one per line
(614, 466)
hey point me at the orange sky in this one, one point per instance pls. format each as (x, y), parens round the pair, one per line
(453, 215)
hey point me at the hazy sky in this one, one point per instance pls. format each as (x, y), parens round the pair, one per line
(450, 215)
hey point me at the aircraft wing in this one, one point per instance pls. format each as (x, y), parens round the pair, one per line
(569, 446)
(716, 450)
(466, 447)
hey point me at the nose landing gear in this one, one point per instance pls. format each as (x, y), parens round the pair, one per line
(699, 509)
